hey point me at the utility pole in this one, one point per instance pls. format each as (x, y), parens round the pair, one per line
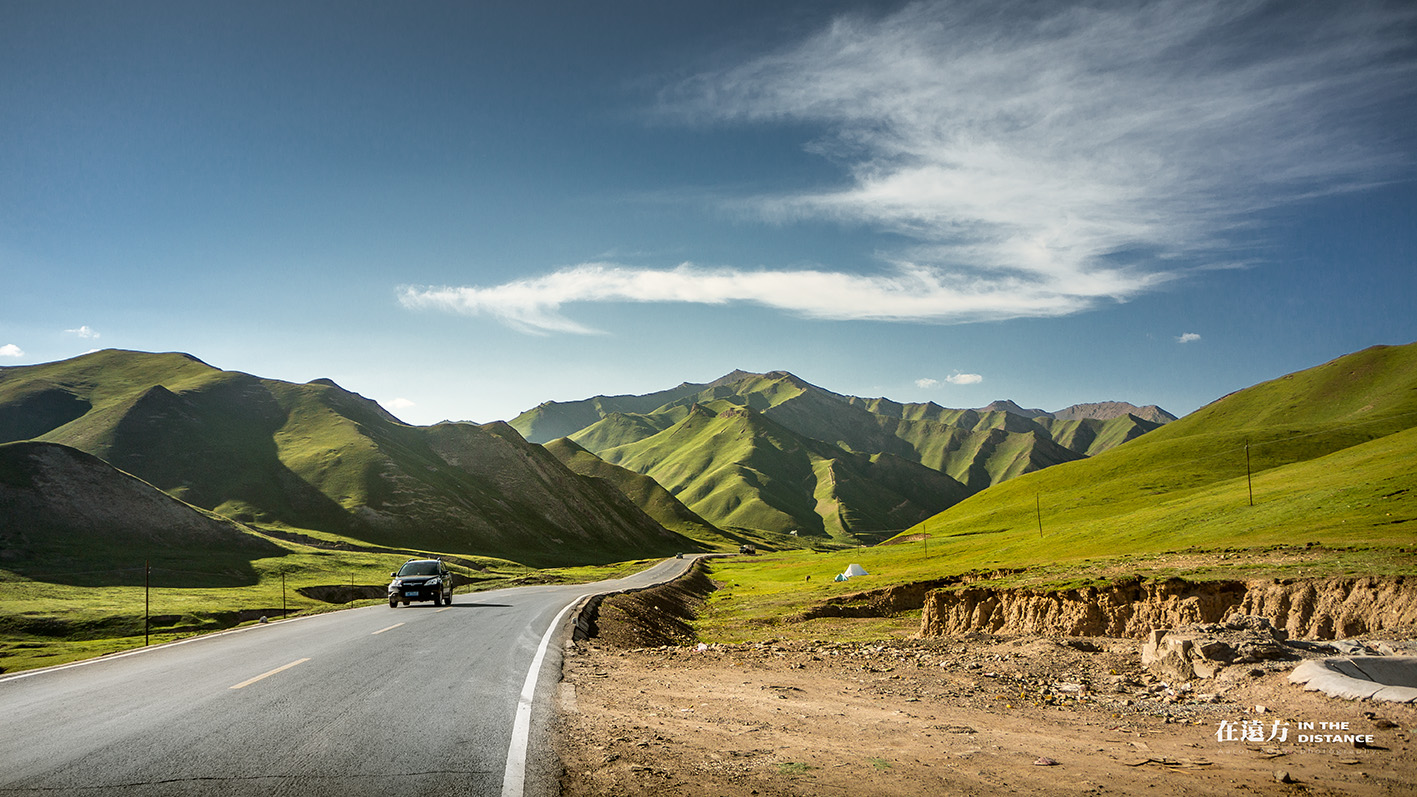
(1248, 480)
(147, 599)
(1038, 508)
(282, 593)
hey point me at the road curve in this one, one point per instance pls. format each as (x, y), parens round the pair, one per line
(414, 700)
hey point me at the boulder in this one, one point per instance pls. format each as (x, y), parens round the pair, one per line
(1200, 651)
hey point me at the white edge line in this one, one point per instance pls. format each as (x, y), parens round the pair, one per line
(382, 630)
(514, 776)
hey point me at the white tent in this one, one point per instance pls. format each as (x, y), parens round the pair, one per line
(855, 570)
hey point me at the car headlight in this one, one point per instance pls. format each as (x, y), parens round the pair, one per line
(398, 582)
(432, 582)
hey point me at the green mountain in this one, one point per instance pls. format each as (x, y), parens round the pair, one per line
(647, 494)
(69, 517)
(657, 434)
(316, 456)
(1320, 456)
(741, 469)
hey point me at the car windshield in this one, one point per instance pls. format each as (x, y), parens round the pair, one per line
(419, 569)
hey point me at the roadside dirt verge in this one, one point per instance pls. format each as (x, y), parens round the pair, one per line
(972, 714)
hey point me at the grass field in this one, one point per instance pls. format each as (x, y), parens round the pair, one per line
(43, 623)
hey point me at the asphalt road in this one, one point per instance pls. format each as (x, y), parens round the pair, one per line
(413, 700)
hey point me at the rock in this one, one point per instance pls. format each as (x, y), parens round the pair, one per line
(1201, 651)
(1282, 776)
(1168, 655)
(1255, 624)
(1217, 650)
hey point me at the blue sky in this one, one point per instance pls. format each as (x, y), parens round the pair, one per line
(464, 209)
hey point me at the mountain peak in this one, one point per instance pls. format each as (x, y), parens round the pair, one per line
(1107, 410)
(737, 375)
(1007, 405)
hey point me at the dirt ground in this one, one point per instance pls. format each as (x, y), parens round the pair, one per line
(966, 716)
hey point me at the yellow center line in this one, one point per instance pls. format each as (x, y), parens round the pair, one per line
(444, 609)
(382, 630)
(281, 668)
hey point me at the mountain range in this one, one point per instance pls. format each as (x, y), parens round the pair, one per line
(695, 467)
(316, 456)
(774, 452)
(153, 453)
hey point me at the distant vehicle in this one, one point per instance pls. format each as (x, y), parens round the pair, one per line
(748, 549)
(421, 580)
(678, 556)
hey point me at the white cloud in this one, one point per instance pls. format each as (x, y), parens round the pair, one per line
(1042, 139)
(11, 350)
(927, 382)
(964, 379)
(1036, 159)
(906, 293)
(1189, 337)
(401, 404)
(87, 332)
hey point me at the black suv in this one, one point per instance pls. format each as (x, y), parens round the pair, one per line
(421, 580)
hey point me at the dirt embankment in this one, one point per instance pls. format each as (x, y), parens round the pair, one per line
(1305, 609)
(650, 617)
(642, 713)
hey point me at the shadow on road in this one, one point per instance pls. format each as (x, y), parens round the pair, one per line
(458, 605)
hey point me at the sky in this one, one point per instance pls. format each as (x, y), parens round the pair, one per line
(462, 210)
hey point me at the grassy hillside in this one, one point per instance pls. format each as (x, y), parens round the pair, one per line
(1336, 432)
(1335, 493)
(315, 456)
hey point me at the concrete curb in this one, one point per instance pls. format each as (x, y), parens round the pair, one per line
(1391, 679)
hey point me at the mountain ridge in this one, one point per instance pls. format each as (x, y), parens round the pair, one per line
(973, 448)
(317, 456)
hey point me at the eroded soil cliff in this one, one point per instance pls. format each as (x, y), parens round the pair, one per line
(1305, 609)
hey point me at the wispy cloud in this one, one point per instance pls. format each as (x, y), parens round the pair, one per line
(1042, 138)
(86, 332)
(906, 293)
(927, 382)
(11, 350)
(1036, 158)
(1188, 337)
(401, 404)
(964, 379)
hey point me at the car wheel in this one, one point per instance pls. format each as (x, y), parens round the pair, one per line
(448, 601)
(393, 603)
(437, 599)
